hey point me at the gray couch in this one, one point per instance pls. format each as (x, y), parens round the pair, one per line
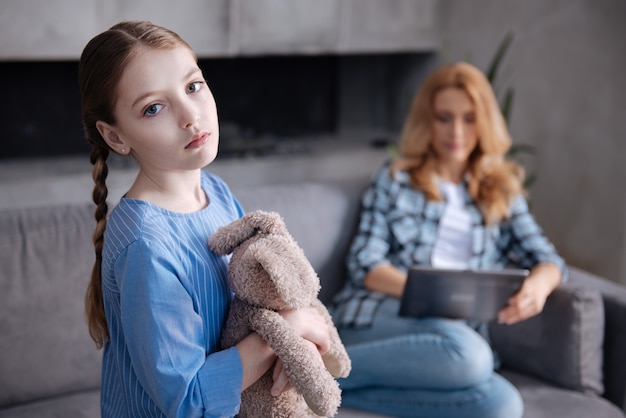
(570, 361)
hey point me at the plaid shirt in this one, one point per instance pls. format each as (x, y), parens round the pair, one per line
(399, 226)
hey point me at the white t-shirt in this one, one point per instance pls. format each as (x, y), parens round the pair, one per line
(453, 247)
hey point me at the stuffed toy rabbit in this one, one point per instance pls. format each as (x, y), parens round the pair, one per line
(268, 272)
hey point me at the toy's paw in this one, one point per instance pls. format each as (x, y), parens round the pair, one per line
(324, 402)
(337, 362)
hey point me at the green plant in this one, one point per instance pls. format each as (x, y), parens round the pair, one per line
(506, 102)
(492, 71)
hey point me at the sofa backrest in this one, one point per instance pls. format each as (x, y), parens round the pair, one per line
(321, 217)
(45, 263)
(46, 256)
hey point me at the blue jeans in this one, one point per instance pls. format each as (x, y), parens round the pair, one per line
(431, 367)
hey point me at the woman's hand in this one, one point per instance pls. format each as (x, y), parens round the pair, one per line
(531, 298)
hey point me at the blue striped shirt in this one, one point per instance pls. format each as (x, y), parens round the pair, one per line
(166, 298)
(398, 225)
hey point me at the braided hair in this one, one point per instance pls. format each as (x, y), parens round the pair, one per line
(101, 66)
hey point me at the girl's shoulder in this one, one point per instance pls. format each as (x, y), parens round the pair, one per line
(125, 226)
(136, 213)
(129, 219)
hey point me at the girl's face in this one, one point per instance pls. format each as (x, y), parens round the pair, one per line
(166, 115)
(454, 128)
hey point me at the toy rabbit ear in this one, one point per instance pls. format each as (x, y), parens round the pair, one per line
(228, 237)
(268, 222)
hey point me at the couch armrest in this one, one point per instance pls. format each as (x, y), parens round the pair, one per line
(562, 345)
(614, 296)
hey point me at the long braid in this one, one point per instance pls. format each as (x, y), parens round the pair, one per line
(102, 63)
(94, 304)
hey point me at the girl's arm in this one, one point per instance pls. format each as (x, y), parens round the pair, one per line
(257, 356)
(256, 359)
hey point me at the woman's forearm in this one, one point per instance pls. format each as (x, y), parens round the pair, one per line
(548, 274)
(386, 279)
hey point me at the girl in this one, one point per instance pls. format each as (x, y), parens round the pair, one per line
(451, 200)
(158, 297)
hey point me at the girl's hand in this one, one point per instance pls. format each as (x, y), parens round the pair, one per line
(310, 325)
(281, 380)
(257, 356)
(531, 298)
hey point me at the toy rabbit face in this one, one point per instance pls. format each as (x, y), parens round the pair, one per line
(272, 272)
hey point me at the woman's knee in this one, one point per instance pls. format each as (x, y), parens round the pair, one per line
(505, 400)
(470, 353)
(478, 358)
(445, 353)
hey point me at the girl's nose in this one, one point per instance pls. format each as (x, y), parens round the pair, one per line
(188, 115)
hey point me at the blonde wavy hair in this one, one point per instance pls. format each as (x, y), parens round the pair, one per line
(493, 181)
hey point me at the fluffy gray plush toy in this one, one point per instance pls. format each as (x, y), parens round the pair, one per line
(269, 272)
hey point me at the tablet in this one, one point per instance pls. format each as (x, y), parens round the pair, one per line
(459, 294)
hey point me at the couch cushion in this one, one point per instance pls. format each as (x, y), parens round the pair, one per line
(542, 400)
(562, 345)
(45, 264)
(75, 405)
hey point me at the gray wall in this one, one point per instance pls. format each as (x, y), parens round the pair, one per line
(566, 65)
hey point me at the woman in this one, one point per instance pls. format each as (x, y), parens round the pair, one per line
(451, 200)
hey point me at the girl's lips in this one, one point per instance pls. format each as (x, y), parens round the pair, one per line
(198, 140)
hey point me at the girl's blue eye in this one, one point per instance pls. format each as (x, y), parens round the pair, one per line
(194, 87)
(153, 109)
